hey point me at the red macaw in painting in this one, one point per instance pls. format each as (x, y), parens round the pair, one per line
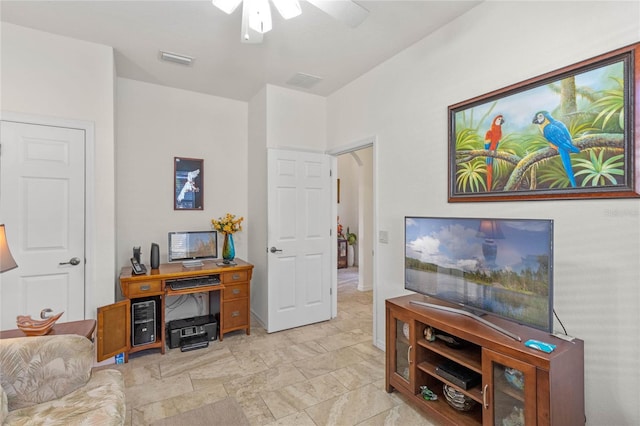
(491, 140)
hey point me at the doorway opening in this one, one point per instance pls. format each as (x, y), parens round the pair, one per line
(356, 211)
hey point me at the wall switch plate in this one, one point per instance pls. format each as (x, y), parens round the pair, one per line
(383, 237)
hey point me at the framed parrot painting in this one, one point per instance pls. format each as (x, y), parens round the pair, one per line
(566, 134)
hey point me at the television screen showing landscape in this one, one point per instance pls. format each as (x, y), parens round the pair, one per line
(500, 266)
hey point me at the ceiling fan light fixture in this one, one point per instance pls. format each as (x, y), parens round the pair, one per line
(248, 35)
(259, 15)
(227, 6)
(256, 14)
(288, 8)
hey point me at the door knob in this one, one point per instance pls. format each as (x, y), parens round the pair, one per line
(274, 250)
(73, 261)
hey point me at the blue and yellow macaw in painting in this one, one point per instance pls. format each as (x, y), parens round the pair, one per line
(558, 136)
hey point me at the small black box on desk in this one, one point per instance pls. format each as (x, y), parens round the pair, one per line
(187, 329)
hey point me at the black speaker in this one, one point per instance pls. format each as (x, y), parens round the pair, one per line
(155, 256)
(143, 322)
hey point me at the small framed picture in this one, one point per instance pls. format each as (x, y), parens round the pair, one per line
(188, 179)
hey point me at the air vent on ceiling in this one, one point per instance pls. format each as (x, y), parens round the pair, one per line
(304, 81)
(176, 58)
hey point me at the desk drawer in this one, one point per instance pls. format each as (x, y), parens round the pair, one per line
(235, 291)
(236, 314)
(144, 288)
(232, 277)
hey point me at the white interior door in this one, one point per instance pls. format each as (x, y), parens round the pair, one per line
(299, 239)
(42, 203)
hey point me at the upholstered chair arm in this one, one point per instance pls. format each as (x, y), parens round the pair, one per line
(34, 370)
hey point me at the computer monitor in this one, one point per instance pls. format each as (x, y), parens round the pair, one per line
(192, 246)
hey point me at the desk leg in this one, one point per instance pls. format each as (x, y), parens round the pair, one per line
(215, 307)
(221, 321)
(162, 324)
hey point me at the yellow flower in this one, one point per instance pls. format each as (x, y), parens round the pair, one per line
(227, 224)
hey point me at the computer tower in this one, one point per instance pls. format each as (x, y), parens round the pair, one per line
(143, 322)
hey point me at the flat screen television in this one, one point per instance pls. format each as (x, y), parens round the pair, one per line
(484, 265)
(192, 246)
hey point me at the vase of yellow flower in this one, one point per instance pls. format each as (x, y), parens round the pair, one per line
(228, 225)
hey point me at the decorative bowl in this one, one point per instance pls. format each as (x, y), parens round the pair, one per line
(405, 330)
(32, 327)
(514, 377)
(515, 418)
(457, 399)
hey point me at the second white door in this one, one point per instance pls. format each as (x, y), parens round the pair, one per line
(299, 239)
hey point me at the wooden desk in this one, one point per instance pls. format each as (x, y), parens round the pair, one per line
(114, 321)
(83, 328)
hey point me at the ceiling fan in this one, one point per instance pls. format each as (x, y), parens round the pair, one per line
(256, 14)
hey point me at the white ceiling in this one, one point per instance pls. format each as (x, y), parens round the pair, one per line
(313, 43)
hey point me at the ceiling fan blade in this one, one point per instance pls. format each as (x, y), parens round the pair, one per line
(346, 11)
(227, 6)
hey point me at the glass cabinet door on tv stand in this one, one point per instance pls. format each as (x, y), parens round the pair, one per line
(401, 361)
(509, 390)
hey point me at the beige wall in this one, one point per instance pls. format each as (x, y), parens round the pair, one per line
(156, 124)
(403, 102)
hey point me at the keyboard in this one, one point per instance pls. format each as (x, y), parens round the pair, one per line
(182, 283)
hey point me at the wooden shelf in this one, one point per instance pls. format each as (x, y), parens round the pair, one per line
(446, 412)
(202, 289)
(474, 393)
(469, 357)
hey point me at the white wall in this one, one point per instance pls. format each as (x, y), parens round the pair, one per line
(156, 124)
(597, 242)
(51, 76)
(295, 120)
(366, 229)
(258, 204)
(349, 175)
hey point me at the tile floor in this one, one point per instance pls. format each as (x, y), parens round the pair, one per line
(322, 374)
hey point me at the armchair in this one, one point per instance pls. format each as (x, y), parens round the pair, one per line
(48, 380)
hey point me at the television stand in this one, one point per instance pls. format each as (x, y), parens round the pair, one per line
(518, 385)
(470, 315)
